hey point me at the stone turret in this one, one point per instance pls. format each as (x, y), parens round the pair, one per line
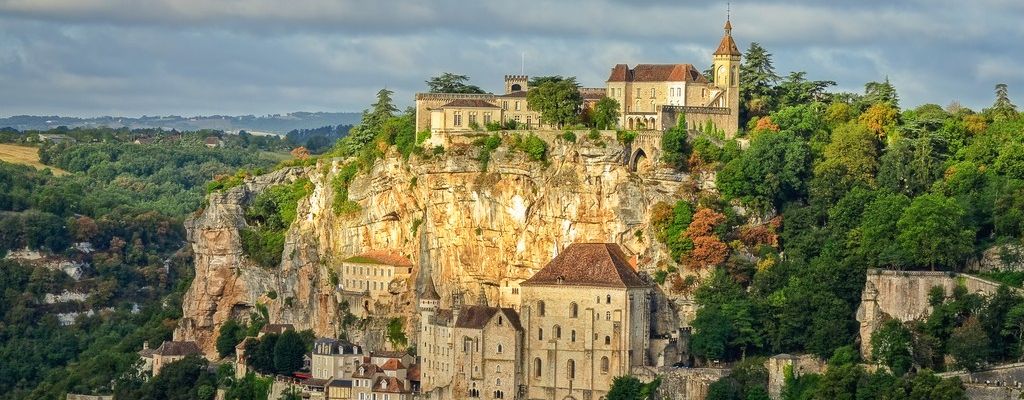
(516, 83)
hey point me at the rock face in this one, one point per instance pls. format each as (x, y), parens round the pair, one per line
(474, 233)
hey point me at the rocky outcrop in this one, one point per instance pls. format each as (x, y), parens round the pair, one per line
(482, 232)
(903, 295)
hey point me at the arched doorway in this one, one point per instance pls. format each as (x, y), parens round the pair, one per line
(638, 161)
(516, 87)
(629, 121)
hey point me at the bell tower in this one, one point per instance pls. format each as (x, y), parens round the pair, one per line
(727, 61)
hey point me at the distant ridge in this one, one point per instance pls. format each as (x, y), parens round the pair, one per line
(277, 123)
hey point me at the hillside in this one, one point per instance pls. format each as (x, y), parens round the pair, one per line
(25, 155)
(278, 123)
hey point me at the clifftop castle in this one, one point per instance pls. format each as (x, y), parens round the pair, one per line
(650, 97)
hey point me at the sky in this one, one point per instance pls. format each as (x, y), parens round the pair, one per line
(202, 57)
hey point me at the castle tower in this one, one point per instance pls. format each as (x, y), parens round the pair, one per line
(727, 65)
(727, 77)
(516, 83)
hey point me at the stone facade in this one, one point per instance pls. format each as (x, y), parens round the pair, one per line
(373, 272)
(334, 359)
(903, 295)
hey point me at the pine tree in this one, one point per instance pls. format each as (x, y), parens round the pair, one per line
(1003, 109)
(757, 83)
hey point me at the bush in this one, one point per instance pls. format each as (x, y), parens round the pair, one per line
(534, 147)
(263, 246)
(342, 205)
(487, 145)
(568, 136)
(625, 137)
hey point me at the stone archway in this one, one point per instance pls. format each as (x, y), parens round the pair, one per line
(638, 161)
(629, 121)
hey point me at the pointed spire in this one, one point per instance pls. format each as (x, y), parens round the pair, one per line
(429, 291)
(727, 47)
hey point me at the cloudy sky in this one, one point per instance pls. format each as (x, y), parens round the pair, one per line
(188, 57)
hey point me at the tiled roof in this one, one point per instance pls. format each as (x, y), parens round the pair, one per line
(174, 348)
(518, 93)
(384, 257)
(340, 383)
(470, 103)
(369, 369)
(389, 354)
(588, 264)
(443, 317)
(429, 291)
(727, 47)
(395, 385)
(655, 73)
(413, 373)
(392, 365)
(476, 317)
(277, 328)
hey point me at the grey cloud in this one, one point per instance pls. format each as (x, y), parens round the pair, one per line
(91, 57)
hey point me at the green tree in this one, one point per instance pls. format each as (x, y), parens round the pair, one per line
(557, 99)
(772, 171)
(932, 231)
(1003, 109)
(879, 231)
(796, 89)
(854, 150)
(911, 166)
(288, 352)
(396, 334)
(881, 92)
(605, 114)
(675, 148)
(891, 346)
(757, 83)
(452, 83)
(229, 335)
(969, 345)
(292, 393)
(370, 124)
(628, 387)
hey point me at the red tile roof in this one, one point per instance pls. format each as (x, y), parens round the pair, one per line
(476, 317)
(392, 365)
(394, 385)
(588, 264)
(384, 257)
(656, 73)
(172, 348)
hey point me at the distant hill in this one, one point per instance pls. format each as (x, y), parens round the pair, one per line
(277, 123)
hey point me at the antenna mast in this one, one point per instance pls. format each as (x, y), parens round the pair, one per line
(522, 65)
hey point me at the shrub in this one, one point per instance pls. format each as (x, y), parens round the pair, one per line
(534, 147)
(568, 136)
(342, 205)
(625, 137)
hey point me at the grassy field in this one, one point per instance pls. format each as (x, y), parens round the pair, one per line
(25, 155)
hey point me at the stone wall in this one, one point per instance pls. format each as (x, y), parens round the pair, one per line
(681, 383)
(800, 365)
(903, 295)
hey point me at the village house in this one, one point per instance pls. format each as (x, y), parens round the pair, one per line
(171, 351)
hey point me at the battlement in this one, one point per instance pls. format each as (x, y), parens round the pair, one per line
(516, 77)
(454, 96)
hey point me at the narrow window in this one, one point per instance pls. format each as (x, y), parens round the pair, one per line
(572, 369)
(608, 340)
(604, 365)
(558, 332)
(574, 310)
(537, 367)
(573, 335)
(540, 333)
(540, 308)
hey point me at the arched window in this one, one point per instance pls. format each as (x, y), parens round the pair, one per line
(500, 348)
(574, 310)
(721, 74)
(537, 370)
(500, 321)
(604, 365)
(608, 298)
(732, 76)
(573, 335)
(607, 315)
(497, 369)
(497, 382)
(540, 333)
(571, 367)
(607, 340)
(558, 332)
(540, 308)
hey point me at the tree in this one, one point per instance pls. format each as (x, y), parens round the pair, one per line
(772, 171)
(1014, 325)
(370, 124)
(452, 83)
(708, 250)
(288, 352)
(229, 335)
(881, 92)
(880, 118)
(605, 114)
(757, 82)
(910, 166)
(1002, 109)
(969, 345)
(628, 387)
(674, 146)
(291, 393)
(557, 99)
(891, 346)
(796, 89)
(854, 151)
(932, 231)
(396, 334)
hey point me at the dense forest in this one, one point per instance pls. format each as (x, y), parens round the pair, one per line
(119, 212)
(832, 184)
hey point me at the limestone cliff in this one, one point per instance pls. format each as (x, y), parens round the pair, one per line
(481, 232)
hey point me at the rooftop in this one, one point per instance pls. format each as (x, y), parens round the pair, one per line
(476, 317)
(656, 73)
(383, 257)
(175, 348)
(588, 264)
(475, 103)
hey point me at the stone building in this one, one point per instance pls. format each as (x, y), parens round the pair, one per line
(587, 321)
(653, 96)
(374, 271)
(471, 352)
(335, 359)
(171, 351)
(650, 97)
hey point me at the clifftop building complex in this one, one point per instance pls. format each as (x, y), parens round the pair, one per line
(650, 96)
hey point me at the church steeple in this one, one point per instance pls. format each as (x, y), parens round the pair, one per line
(727, 47)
